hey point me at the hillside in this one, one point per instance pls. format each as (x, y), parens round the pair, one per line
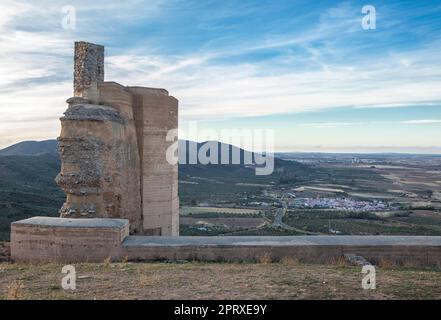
(27, 186)
(30, 148)
(219, 183)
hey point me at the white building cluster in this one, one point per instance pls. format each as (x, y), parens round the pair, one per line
(345, 204)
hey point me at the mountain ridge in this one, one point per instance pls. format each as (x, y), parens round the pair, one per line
(30, 148)
(27, 186)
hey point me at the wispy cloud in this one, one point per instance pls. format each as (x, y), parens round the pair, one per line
(368, 123)
(221, 60)
(424, 121)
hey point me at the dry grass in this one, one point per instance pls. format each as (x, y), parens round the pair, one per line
(14, 290)
(339, 261)
(385, 264)
(288, 279)
(289, 261)
(107, 262)
(266, 258)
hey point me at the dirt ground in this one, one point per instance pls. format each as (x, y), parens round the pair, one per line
(284, 280)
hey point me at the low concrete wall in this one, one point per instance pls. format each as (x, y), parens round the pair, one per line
(401, 255)
(67, 240)
(93, 240)
(398, 250)
(5, 253)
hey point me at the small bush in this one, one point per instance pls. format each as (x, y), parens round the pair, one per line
(266, 258)
(107, 262)
(289, 261)
(385, 264)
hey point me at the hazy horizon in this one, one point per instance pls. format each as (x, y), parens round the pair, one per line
(349, 150)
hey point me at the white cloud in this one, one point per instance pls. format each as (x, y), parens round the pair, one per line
(207, 89)
(424, 121)
(10, 9)
(366, 123)
(36, 68)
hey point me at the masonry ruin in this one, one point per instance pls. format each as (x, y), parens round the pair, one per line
(119, 186)
(113, 150)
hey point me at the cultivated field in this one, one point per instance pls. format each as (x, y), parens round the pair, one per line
(198, 210)
(401, 193)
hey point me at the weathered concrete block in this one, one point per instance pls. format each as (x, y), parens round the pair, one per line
(67, 240)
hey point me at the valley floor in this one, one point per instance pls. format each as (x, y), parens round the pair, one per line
(194, 280)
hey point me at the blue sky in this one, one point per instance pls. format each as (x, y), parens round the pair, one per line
(306, 69)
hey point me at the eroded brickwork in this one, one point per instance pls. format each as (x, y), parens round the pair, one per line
(88, 66)
(113, 150)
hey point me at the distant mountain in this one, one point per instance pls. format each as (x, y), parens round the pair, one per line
(27, 188)
(186, 147)
(28, 170)
(30, 148)
(35, 148)
(240, 171)
(233, 170)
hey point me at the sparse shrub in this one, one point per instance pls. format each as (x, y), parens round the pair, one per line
(107, 262)
(361, 215)
(385, 264)
(15, 290)
(402, 214)
(410, 264)
(289, 261)
(126, 259)
(266, 258)
(339, 261)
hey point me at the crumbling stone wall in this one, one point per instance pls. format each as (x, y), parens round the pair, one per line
(113, 150)
(100, 164)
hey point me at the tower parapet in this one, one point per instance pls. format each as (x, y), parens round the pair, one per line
(88, 66)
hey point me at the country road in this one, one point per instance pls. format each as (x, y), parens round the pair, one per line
(278, 221)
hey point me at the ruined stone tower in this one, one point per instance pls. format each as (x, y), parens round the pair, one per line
(113, 150)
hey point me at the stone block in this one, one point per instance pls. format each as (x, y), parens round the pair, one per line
(67, 240)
